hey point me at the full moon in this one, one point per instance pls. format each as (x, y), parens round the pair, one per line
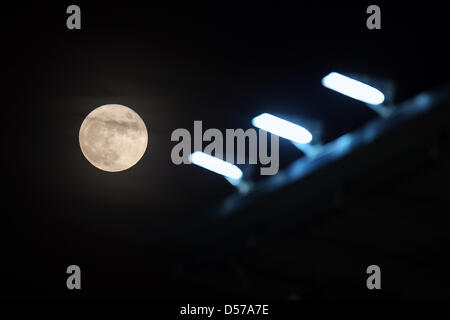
(113, 137)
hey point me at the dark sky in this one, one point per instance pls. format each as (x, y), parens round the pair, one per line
(172, 65)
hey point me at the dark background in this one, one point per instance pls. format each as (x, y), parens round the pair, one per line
(222, 65)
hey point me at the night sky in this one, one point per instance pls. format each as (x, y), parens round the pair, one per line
(172, 65)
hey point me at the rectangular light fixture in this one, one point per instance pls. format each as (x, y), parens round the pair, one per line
(282, 128)
(353, 88)
(216, 165)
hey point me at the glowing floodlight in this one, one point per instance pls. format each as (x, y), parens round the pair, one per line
(353, 88)
(216, 165)
(282, 128)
